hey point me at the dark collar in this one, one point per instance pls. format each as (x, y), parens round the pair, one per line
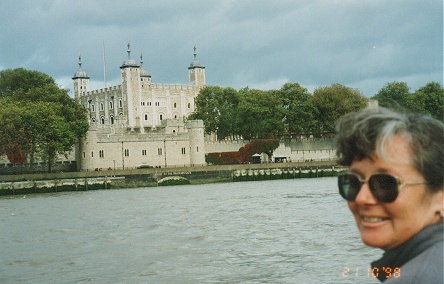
(398, 256)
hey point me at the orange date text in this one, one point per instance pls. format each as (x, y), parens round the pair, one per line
(375, 272)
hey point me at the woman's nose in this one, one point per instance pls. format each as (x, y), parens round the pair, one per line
(365, 196)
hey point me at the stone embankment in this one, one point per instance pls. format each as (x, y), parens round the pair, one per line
(73, 181)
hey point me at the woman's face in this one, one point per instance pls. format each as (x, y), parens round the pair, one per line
(387, 225)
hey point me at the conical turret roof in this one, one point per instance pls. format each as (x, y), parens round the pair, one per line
(195, 63)
(80, 73)
(129, 62)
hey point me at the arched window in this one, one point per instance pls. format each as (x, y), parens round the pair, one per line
(120, 104)
(111, 119)
(93, 108)
(93, 119)
(161, 117)
(111, 105)
(146, 116)
(102, 106)
(175, 105)
(102, 120)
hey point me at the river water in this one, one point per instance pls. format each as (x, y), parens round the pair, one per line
(282, 231)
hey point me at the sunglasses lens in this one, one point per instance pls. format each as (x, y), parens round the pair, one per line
(384, 187)
(349, 186)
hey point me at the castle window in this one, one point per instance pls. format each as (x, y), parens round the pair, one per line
(143, 152)
(120, 104)
(111, 105)
(102, 106)
(102, 120)
(93, 108)
(101, 154)
(146, 116)
(189, 105)
(111, 119)
(93, 119)
(126, 152)
(197, 149)
(157, 104)
(175, 105)
(183, 151)
(92, 154)
(161, 117)
(159, 151)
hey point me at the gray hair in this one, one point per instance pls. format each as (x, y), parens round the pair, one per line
(368, 131)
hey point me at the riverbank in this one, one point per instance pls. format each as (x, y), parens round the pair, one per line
(82, 181)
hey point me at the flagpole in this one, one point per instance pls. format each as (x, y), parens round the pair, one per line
(104, 63)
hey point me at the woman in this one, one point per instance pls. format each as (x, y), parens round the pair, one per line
(394, 188)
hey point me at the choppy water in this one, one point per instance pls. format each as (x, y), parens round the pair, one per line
(285, 231)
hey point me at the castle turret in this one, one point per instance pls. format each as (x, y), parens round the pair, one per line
(145, 75)
(196, 72)
(81, 80)
(130, 72)
(196, 131)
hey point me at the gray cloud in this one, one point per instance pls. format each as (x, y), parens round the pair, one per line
(261, 44)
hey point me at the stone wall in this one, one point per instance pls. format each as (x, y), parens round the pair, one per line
(14, 169)
(297, 150)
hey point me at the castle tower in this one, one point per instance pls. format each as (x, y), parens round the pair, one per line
(197, 145)
(86, 150)
(81, 80)
(130, 72)
(145, 75)
(196, 71)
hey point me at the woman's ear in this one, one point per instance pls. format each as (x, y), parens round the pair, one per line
(441, 212)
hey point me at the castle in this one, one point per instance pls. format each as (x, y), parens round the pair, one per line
(140, 123)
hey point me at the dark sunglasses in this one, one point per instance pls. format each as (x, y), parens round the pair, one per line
(384, 187)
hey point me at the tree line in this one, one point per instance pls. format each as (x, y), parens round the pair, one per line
(37, 117)
(293, 111)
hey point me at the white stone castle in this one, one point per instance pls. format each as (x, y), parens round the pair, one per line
(140, 123)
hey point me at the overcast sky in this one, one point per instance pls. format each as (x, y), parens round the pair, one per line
(256, 43)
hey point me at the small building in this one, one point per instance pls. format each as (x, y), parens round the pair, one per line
(256, 158)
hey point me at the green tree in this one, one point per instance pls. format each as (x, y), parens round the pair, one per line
(46, 120)
(13, 141)
(261, 113)
(334, 101)
(431, 99)
(300, 113)
(393, 95)
(12, 80)
(217, 107)
(206, 107)
(228, 122)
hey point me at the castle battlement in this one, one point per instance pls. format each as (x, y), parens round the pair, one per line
(117, 88)
(142, 138)
(160, 86)
(195, 124)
